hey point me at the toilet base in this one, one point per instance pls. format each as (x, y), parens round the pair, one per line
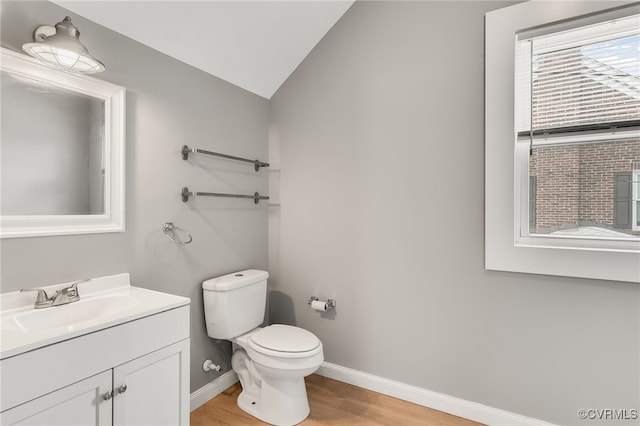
(280, 401)
(282, 404)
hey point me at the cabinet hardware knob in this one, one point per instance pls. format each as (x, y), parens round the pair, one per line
(107, 396)
(122, 389)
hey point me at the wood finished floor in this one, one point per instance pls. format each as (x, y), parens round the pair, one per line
(332, 403)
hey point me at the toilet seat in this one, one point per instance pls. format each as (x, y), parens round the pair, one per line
(285, 341)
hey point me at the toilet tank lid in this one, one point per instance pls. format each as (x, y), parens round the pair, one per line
(235, 280)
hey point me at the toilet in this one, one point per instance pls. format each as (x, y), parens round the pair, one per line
(271, 362)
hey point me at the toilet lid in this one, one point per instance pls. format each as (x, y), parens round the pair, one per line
(285, 338)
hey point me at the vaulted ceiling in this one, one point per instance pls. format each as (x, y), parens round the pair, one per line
(255, 45)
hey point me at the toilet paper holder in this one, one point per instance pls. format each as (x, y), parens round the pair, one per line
(331, 303)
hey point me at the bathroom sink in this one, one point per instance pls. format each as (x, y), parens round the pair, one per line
(68, 316)
(104, 302)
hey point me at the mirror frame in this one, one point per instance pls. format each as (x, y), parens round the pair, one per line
(112, 220)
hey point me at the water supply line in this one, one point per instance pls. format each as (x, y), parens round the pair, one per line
(210, 366)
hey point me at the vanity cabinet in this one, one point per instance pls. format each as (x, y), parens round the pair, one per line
(131, 374)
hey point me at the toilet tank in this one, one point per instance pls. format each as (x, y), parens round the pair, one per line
(234, 303)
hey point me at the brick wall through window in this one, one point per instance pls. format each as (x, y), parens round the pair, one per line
(575, 183)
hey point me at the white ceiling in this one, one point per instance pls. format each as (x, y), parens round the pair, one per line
(253, 44)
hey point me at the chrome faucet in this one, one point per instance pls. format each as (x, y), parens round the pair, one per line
(62, 297)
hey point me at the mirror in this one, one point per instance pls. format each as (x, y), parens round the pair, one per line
(57, 133)
(62, 151)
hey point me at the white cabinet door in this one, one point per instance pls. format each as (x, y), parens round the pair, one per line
(79, 404)
(153, 390)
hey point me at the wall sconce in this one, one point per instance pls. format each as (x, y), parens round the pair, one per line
(60, 48)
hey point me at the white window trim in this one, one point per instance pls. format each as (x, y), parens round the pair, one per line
(635, 198)
(501, 251)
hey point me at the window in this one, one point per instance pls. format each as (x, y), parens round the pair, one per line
(561, 184)
(577, 104)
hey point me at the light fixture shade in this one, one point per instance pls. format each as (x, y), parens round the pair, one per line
(60, 48)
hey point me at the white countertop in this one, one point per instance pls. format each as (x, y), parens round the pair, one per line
(104, 302)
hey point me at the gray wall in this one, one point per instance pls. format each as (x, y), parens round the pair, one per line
(169, 104)
(380, 138)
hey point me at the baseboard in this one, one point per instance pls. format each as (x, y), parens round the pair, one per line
(438, 401)
(212, 389)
